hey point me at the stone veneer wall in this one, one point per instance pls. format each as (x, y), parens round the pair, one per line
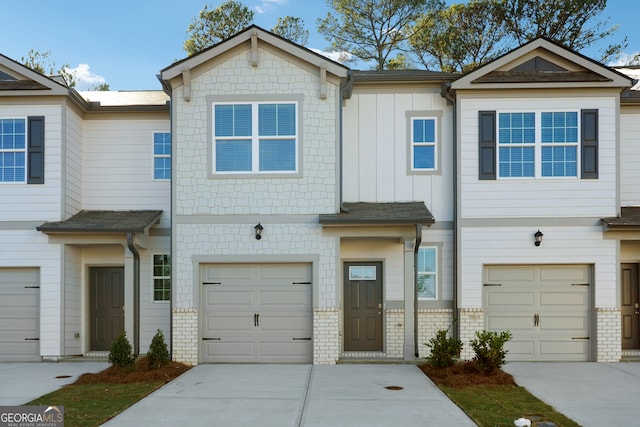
(608, 335)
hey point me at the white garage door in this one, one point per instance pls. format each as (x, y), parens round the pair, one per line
(545, 307)
(19, 320)
(256, 313)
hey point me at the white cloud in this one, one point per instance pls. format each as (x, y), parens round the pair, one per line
(267, 5)
(85, 78)
(624, 59)
(341, 57)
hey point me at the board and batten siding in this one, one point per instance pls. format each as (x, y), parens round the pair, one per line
(629, 156)
(539, 197)
(482, 246)
(376, 148)
(277, 78)
(118, 166)
(36, 202)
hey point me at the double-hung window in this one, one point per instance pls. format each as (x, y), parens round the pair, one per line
(423, 144)
(13, 150)
(161, 155)
(538, 144)
(257, 137)
(161, 278)
(427, 272)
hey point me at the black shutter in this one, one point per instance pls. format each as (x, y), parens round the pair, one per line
(35, 150)
(589, 144)
(487, 145)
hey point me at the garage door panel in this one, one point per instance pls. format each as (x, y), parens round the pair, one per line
(510, 299)
(19, 315)
(545, 308)
(254, 312)
(510, 322)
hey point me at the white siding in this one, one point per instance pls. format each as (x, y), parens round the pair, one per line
(72, 300)
(154, 315)
(118, 166)
(72, 163)
(376, 148)
(629, 156)
(36, 202)
(538, 197)
(484, 246)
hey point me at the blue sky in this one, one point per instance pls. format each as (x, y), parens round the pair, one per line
(126, 43)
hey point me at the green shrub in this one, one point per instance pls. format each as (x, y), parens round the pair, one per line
(121, 354)
(489, 349)
(158, 354)
(444, 350)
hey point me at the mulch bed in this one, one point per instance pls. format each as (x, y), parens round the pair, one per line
(466, 374)
(141, 373)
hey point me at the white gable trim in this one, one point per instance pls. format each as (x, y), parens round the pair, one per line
(22, 72)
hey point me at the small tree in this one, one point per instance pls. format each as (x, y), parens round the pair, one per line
(121, 354)
(444, 350)
(158, 354)
(489, 349)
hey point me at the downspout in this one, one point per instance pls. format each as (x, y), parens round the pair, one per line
(416, 248)
(446, 93)
(136, 293)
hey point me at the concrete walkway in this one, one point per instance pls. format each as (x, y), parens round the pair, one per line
(592, 394)
(20, 383)
(296, 395)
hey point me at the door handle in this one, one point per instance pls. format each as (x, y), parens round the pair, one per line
(536, 319)
(255, 319)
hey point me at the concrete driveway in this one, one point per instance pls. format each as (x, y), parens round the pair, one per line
(592, 394)
(297, 395)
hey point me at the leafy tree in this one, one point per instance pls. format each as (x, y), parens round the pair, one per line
(571, 23)
(459, 38)
(104, 87)
(292, 29)
(400, 62)
(214, 25)
(372, 29)
(42, 63)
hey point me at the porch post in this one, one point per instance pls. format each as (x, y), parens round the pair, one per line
(409, 299)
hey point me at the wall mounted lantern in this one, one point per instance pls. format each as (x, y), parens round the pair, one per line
(259, 229)
(537, 238)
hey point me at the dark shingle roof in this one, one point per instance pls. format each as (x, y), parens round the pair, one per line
(104, 222)
(363, 213)
(629, 219)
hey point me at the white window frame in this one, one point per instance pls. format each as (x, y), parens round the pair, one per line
(154, 277)
(160, 156)
(433, 144)
(537, 145)
(255, 138)
(435, 274)
(24, 150)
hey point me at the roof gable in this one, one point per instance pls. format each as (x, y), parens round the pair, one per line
(15, 77)
(542, 63)
(254, 35)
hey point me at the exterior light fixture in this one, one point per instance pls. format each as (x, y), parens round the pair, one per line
(259, 229)
(537, 238)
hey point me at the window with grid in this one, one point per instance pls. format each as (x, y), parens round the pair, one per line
(423, 144)
(13, 150)
(161, 278)
(427, 273)
(259, 137)
(559, 142)
(161, 155)
(516, 145)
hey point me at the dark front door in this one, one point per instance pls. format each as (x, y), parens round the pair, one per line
(107, 306)
(630, 307)
(363, 306)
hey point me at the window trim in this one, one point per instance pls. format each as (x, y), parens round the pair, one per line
(154, 277)
(212, 100)
(538, 144)
(25, 150)
(436, 115)
(164, 156)
(436, 249)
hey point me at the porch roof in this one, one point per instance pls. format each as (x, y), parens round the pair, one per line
(102, 221)
(629, 219)
(365, 213)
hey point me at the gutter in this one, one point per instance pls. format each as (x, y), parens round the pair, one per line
(136, 293)
(416, 248)
(446, 93)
